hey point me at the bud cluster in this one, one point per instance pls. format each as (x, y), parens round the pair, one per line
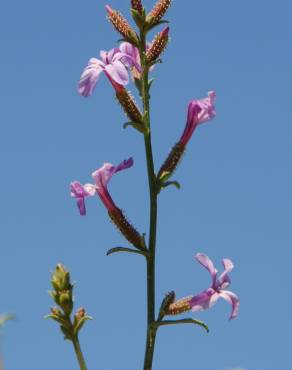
(63, 297)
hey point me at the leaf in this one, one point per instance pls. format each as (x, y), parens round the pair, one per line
(138, 18)
(150, 82)
(122, 249)
(156, 24)
(183, 321)
(169, 183)
(138, 126)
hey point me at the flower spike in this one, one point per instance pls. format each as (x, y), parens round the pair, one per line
(122, 25)
(130, 107)
(199, 111)
(137, 5)
(158, 11)
(158, 45)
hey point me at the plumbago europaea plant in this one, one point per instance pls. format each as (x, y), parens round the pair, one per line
(134, 59)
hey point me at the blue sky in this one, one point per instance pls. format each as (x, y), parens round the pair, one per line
(236, 182)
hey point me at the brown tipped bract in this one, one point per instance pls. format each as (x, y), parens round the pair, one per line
(158, 45)
(122, 25)
(158, 11)
(180, 306)
(171, 162)
(137, 5)
(129, 105)
(128, 230)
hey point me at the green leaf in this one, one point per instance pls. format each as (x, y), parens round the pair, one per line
(122, 249)
(150, 27)
(183, 321)
(138, 18)
(150, 82)
(169, 183)
(138, 126)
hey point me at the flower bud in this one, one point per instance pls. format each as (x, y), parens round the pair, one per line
(61, 279)
(129, 105)
(122, 25)
(167, 301)
(158, 45)
(171, 162)
(137, 5)
(158, 11)
(66, 301)
(180, 306)
(128, 230)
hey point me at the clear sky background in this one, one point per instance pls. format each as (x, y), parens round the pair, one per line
(236, 181)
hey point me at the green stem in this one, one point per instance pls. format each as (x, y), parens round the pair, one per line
(150, 341)
(79, 353)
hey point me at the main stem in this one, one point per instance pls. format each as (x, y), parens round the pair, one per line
(150, 341)
(79, 353)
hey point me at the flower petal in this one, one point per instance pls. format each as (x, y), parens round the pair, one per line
(103, 175)
(77, 190)
(118, 72)
(90, 189)
(231, 298)
(204, 300)
(90, 77)
(129, 56)
(81, 206)
(208, 108)
(127, 163)
(208, 264)
(224, 279)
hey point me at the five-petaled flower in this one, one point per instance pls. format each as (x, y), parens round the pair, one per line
(101, 177)
(114, 64)
(209, 297)
(199, 111)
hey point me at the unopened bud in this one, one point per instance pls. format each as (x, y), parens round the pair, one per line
(128, 230)
(158, 45)
(180, 306)
(158, 11)
(81, 312)
(171, 162)
(167, 301)
(66, 301)
(61, 278)
(56, 311)
(129, 105)
(122, 25)
(137, 5)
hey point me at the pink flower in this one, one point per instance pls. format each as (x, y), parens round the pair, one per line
(80, 192)
(199, 111)
(113, 63)
(101, 177)
(209, 297)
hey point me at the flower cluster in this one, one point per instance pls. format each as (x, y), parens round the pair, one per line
(210, 296)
